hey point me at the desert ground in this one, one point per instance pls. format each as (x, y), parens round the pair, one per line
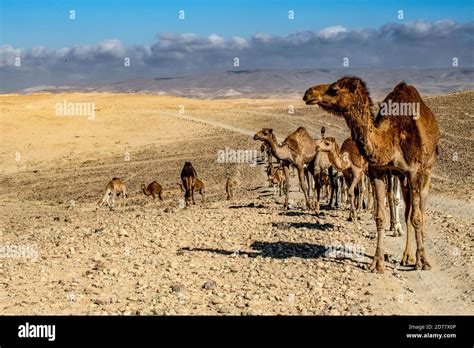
(246, 256)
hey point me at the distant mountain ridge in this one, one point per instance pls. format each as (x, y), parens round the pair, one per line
(277, 83)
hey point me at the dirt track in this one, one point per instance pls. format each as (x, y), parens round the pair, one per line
(247, 256)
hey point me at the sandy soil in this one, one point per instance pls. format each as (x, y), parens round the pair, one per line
(246, 256)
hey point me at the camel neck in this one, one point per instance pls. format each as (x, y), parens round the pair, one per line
(363, 131)
(277, 151)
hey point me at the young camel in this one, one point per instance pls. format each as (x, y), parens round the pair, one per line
(198, 187)
(278, 180)
(348, 161)
(154, 189)
(115, 187)
(405, 145)
(298, 149)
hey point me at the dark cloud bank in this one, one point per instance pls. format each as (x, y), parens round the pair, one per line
(416, 44)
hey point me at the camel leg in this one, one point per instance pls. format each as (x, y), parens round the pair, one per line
(390, 201)
(342, 188)
(330, 177)
(105, 198)
(397, 226)
(374, 200)
(420, 190)
(314, 201)
(287, 186)
(319, 183)
(335, 188)
(356, 176)
(370, 197)
(361, 191)
(407, 257)
(352, 199)
(306, 176)
(377, 263)
(303, 185)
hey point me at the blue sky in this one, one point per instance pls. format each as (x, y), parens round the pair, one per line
(46, 23)
(56, 50)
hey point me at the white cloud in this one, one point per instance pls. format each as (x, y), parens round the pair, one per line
(417, 43)
(330, 32)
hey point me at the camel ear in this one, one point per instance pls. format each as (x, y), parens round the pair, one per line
(270, 130)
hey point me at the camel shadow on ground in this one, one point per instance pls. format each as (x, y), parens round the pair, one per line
(276, 250)
(280, 250)
(250, 205)
(308, 225)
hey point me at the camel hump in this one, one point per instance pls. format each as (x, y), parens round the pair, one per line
(188, 170)
(294, 139)
(302, 131)
(404, 93)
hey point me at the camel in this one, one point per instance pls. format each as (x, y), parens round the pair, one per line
(188, 178)
(298, 148)
(154, 189)
(320, 168)
(198, 187)
(404, 145)
(323, 172)
(270, 172)
(278, 180)
(229, 187)
(348, 161)
(115, 187)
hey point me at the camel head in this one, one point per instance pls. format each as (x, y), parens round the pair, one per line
(339, 97)
(264, 134)
(326, 144)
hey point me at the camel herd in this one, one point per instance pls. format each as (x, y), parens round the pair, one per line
(384, 156)
(189, 184)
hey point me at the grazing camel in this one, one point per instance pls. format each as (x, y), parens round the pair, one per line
(298, 148)
(278, 180)
(198, 187)
(115, 187)
(154, 189)
(348, 161)
(405, 145)
(188, 178)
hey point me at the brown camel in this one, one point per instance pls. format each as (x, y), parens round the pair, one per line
(154, 189)
(298, 148)
(115, 187)
(188, 178)
(347, 160)
(278, 180)
(270, 172)
(229, 187)
(405, 145)
(198, 187)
